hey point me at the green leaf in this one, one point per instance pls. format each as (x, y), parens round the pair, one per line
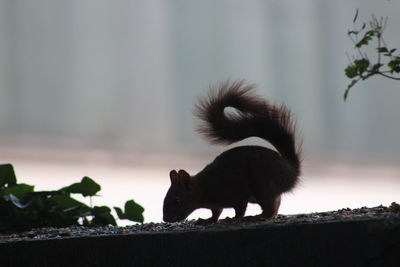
(361, 65)
(7, 175)
(351, 71)
(358, 67)
(394, 65)
(19, 190)
(382, 50)
(66, 202)
(102, 216)
(346, 93)
(352, 32)
(17, 201)
(120, 213)
(365, 40)
(87, 187)
(375, 68)
(133, 212)
(371, 33)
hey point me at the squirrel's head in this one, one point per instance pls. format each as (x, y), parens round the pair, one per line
(179, 202)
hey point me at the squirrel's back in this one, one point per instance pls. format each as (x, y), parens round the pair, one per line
(256, 117)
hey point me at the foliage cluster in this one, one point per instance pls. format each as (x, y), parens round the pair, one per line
(22, 208)
(361, 67)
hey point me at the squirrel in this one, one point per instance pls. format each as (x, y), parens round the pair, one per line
(242, 174)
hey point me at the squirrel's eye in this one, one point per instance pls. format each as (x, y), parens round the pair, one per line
(177, 201)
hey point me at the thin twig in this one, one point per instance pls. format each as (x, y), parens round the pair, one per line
(388, 76)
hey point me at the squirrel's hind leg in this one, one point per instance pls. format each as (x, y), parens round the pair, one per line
(270, 206)
(263, 188)
(215, 214)
(268, 199)
(240, 209)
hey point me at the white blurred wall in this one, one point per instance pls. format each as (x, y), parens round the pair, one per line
(123, 75)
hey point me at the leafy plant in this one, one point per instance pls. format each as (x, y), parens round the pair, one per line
(23, 208)
(361, 67)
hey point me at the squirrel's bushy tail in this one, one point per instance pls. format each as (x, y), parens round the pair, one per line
(256, 117)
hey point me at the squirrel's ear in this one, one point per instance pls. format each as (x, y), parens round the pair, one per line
(184, 177)
(173, 175)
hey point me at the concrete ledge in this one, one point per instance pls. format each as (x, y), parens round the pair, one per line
(342, 243)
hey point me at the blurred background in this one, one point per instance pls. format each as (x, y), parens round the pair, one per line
(106, 89)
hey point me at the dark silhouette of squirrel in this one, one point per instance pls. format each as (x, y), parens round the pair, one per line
(242, 174)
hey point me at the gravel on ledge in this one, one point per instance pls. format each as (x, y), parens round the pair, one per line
(346, 214)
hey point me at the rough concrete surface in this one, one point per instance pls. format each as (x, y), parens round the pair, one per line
(358, 242)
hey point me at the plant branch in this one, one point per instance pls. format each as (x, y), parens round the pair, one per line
(361, 66)
(388, 76)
